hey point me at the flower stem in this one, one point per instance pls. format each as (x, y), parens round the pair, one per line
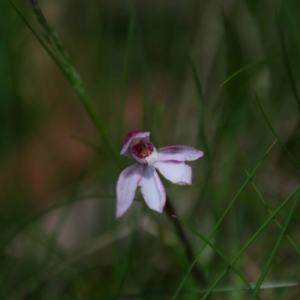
(197, 272)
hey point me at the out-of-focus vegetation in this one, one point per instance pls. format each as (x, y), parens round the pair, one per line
(221, 76)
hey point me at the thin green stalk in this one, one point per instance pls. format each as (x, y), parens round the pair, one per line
(275, 134)
(172, 214)
(248, 66)
(219, 223)
(254, 236)
(189, 293)
(275, 248)
(288, 66)
(270, 212)
(54, 58)
(206, 240)
(294, 26)
(64, 63)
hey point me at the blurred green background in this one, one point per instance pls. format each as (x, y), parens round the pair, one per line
(164, 67)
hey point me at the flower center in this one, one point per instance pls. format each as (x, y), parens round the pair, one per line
(142, 149)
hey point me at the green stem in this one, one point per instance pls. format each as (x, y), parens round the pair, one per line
(62, 58)
(197, 272)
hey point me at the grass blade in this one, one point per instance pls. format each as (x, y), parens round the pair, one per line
(270, 212)
(255, 63)
(64, 64)
(254, 236)
(219, 223)
(275, 134)
(288, 67)
(272, 255)
(206, 240)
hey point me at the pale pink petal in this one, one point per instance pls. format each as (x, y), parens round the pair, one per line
(125, 150)
(153, 190)
(176, 172)
(126, 186)
(178, 153)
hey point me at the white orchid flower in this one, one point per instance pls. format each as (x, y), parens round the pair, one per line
(169, 161)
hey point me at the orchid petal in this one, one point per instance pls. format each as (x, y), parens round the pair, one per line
(126, 186)
(177, 172)
(125, 150)
(153, 190)
(178, 153)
